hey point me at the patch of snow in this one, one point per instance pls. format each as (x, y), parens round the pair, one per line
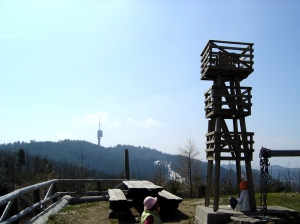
(172, 174)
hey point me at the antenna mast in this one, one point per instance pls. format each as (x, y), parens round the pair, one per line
(99, 133)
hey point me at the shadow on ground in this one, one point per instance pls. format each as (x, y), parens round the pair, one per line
(134, 216)
(173, 216)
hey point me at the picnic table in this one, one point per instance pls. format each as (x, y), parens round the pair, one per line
(137, 187)
(137, 190)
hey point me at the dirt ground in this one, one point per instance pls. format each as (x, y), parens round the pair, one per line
(98, 212)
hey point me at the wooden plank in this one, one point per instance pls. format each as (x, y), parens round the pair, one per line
(233, 96)
(230, 42)
(235, 143)
(169, 196)
(226, 150)
(142, 184)
(117, 200)
(168, 201)
(206, 48)
(116, 195)
(229, 132)
(233, 48)
(227, 158)
(246, 56)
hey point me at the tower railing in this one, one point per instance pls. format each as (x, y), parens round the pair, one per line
(229, 142)
(219, 56)
(227, 99)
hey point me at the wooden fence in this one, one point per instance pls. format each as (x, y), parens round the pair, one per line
(31, 200)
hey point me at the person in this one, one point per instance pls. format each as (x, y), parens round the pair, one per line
(151, 211)
(243, 202)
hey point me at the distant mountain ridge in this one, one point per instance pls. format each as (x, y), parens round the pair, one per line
(275, 171)
(143, 161)
(105, 159)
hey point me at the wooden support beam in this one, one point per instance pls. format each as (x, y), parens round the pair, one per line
(283, 153)
(36, 199)
(217, 185)
(6, 210)
(250, 186)
(15, 209)
(126, 164)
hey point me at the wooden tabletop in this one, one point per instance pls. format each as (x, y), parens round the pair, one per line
(142, 185)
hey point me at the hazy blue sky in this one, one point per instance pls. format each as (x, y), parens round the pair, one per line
(136, 64)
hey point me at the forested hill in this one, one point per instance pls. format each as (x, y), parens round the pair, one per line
(105, 159)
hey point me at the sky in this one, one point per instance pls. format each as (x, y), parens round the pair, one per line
(134, 66)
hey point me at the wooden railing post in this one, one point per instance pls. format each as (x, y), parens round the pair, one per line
(36, 199)
(99, 186)
(126, 165)
(54, 190)
(15, 208)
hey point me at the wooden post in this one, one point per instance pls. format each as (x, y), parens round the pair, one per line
(36, 199)
(99, 186)
(54, 190)
(208, 183)
(238, 155)
(15, 208)
(250, 186)
(217, 185)
(217, 160)
(126, 165)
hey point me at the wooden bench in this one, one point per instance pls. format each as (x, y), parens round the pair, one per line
(168, 201)
(117, 200)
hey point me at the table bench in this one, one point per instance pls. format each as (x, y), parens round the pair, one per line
(117, 200)
(168, 201)
(139, 189)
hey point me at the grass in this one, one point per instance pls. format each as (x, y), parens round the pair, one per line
(287, 200)
(71, 213)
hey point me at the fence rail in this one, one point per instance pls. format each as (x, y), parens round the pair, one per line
(12, 211)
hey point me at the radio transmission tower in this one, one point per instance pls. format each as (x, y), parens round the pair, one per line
(99, 134)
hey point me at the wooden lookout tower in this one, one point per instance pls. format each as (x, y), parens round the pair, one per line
(227, 104)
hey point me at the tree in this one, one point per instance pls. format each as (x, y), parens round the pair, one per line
(10, 169)
(189, 167)
(21, 157)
